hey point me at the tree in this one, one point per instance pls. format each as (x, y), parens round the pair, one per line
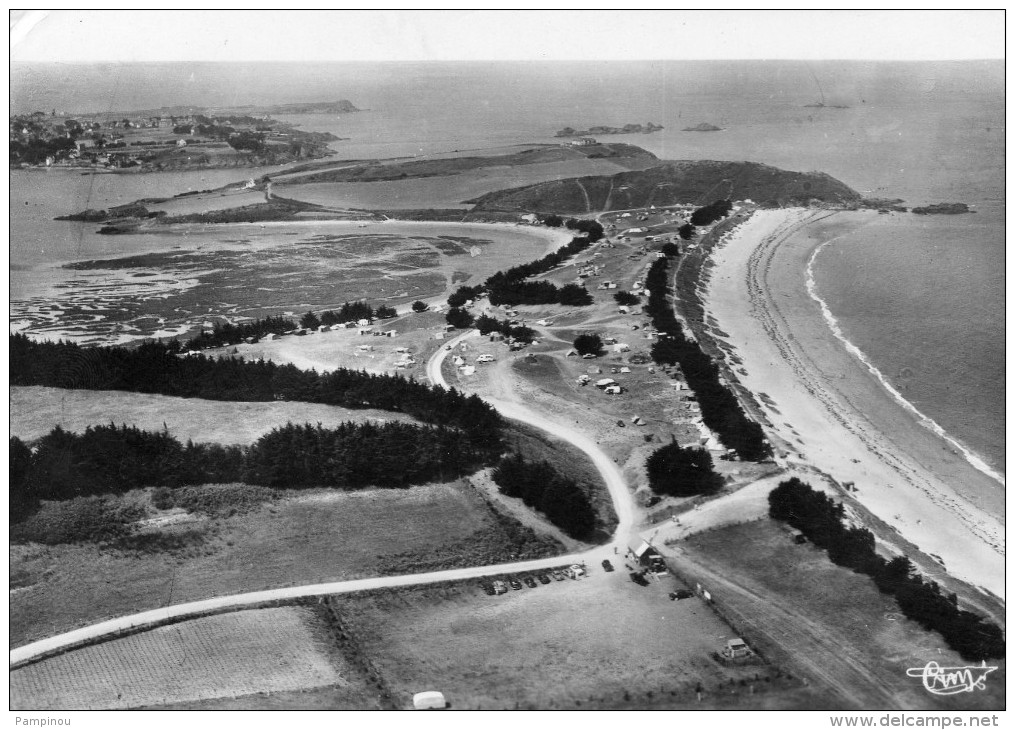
(588, 344)
(310, 321)
(23, 500)
(626, 298)
(573, 295)
(682, 472)
(418, 306)
(670, 249)
(385, 312)
(553, 220)
(686, 231)
(459, 318)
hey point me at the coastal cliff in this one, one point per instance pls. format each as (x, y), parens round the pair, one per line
(671, 183)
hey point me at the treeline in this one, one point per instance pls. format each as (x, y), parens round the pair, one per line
(486, 325)
(348, 312)
(720, 409)
(510, 287)
(682, 472)
(711, 213)
(820, 518)
(114, 460)
(154, 367)
(540, 487)
(223, 334)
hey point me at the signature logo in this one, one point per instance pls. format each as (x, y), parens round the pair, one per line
(940, 680)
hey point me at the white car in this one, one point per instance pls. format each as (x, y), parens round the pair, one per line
(484, 358)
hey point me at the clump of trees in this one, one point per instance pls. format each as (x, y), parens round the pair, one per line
(588, 344)
(686, 231)
(626, 298)
(459, 318)
(820, 518)
(711, 212)
(419, 306)
(682, 472)
(155, 367)
(486, 324)
(720, 409)
(541, 487)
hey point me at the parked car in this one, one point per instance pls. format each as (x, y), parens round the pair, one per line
(681, 594)
(484, 358)
(639, 578)
(543, 578)
(499, 587)
(488, 589)
(557, 575)
(530, 582)
(607, 566)
(515, 585)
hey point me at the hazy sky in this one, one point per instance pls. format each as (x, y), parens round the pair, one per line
(397, 35)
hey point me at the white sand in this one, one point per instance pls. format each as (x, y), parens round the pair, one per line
(832, 414)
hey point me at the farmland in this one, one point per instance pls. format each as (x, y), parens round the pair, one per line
(307, 537)
(35, 411)
(228, 655)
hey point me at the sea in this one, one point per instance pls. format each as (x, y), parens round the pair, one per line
(922, 297)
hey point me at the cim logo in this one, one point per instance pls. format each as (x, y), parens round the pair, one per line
(940, 680)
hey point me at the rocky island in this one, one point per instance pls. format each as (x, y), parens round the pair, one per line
(703, 127)
(942, 209)
(601, 130)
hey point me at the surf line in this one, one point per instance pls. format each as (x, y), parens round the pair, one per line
(974, 459)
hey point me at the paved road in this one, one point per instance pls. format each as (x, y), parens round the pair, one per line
(610, 472)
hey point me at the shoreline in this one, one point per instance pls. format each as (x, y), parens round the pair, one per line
(975, 460)
(828, 408)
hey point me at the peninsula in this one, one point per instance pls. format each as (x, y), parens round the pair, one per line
(600, 130)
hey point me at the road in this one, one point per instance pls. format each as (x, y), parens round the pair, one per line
(622, 503)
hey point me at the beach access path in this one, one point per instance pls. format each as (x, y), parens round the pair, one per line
(831, 413)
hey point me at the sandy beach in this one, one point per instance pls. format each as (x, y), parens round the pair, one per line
(830, 413)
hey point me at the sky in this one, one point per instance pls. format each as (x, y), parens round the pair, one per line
(70, 36)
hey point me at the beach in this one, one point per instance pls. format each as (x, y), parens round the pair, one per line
(829, 409)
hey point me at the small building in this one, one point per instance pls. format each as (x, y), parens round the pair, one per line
(429, 701)
(647, 556)
(574, 572)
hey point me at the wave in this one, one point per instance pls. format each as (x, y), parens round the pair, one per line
(977, 461)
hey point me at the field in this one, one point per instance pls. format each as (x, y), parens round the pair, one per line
(229, 655)
(34, 411)
(602, 642)
(807, 612)
(300, 538)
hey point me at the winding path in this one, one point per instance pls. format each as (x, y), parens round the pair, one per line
(612, 475)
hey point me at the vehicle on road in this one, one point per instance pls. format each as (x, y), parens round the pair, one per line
(530, 582)
(515, 585)
(607, 566)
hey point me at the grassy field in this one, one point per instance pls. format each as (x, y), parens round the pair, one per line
(598, 643)
(832, 618)
(306, 537)
(34, 411)
(225, 656)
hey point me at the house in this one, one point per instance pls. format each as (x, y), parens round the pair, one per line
(647, 556)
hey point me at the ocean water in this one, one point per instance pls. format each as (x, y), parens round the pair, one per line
(923, 298)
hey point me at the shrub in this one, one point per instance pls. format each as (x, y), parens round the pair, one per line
(418, 306)
(626, 298)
